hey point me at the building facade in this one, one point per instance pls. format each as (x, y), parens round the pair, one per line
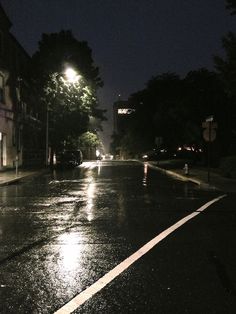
(122, 112)
(15, 114)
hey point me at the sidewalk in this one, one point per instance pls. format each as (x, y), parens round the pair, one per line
(199, 176)
(10, 177)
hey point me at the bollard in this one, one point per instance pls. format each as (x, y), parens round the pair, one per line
(186, 169)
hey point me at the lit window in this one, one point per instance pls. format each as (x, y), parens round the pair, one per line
(125, 110)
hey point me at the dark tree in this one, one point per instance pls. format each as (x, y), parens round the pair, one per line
(70, 104)
(57, 50)
(227, 71)
(231, 5)
(173, 109)
(156, 115)
(227, 67)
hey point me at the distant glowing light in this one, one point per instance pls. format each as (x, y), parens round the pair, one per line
(145, 171)
(54, 159)
(107, 157)
(125, 111)
(89, 164)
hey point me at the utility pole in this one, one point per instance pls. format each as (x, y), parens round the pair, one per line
(47, 142)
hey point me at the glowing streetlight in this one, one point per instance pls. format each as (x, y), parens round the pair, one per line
(71, 75)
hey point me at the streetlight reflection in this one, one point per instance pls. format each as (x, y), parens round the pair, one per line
(90, 199)
(70, 251)
(145, 171)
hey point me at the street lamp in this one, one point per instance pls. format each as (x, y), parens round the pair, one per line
(47, 127)
(71, 75)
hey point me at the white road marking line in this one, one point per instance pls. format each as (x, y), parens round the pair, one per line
(112, 274)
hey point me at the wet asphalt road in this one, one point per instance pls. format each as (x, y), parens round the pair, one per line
(61, 232)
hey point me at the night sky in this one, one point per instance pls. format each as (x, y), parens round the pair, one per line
(131, 40)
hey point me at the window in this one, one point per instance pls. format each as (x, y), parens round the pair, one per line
(1, 89)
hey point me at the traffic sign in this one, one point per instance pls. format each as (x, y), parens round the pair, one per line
(207, 125)
(209, 135)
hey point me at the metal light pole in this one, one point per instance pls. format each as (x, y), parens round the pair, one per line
(47, 128)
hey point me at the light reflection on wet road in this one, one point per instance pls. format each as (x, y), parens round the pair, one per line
(62, 231)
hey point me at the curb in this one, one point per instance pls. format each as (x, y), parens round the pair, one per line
(173, 174)
(11, 181)
(181, 177)
(21, 177)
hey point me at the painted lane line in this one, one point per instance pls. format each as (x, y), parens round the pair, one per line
(116, 271)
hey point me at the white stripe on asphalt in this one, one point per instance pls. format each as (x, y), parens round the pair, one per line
(112, 274)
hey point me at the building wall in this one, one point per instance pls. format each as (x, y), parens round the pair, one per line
(7, 148)
(13, 60)
(122, 116)
(122, 112)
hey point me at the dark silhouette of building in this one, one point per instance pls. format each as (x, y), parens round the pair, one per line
(122, 112)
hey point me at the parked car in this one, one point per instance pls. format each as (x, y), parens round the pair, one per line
(69, 158)
(156, 155)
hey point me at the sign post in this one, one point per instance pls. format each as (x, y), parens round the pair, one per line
(209, 135)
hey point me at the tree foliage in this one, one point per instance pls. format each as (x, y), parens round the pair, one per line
(231, 5)
(89, 139)
(56, 50)
(70, 104)
(227, 67)
(227, 70)
(173, 109)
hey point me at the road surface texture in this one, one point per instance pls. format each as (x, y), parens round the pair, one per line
(60, 233)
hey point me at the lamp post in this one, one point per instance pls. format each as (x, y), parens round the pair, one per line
(47, 135)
